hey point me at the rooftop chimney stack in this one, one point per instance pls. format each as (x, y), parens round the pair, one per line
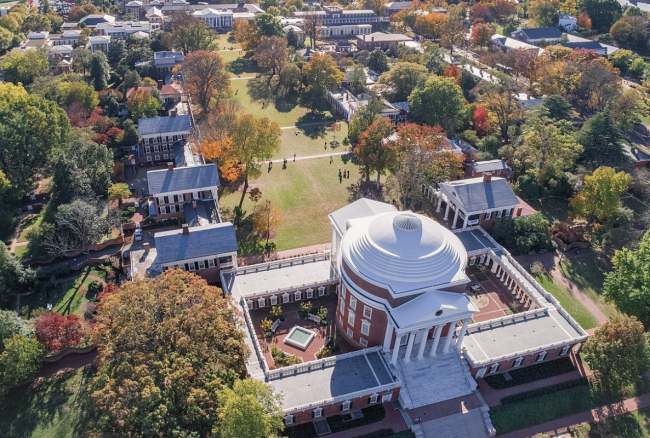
(186, 229)
(194, 204)
(487, 177)
(146, 246)
(170, 166)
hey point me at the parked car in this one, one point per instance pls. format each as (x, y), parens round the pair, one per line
(138, 234)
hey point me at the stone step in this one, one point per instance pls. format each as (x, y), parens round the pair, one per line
(464, 425)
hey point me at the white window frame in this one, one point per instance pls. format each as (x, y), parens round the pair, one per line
(172, 209)
(345, 406)
(494, 368)
(343, 290)
(250, 304)
(274, 300)
(318, 412)
(351, 317)
(488, 216)
(350, 332)
(367, 312)
(298, 295)
(565, 350)
(321, 291)
(149, 158)
(201, 264)
(365, 325)
(163, 210)
(261, 303)
(310, 293)
(286, 298)
(363, 342)
(342, 306)
(541, 356)
(157, 158)
(166, 156)
(211, 263)
(288, 419)
(192, 266)
(518, 362)
(156, 148)
(147, 149)
(353, 302)
(374, 398)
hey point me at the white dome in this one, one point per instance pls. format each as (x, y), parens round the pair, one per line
(404, 251)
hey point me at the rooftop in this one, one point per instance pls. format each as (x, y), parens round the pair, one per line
(204, 241)
(279, 275)
(183, 179)
(161, 125)
(547, 33)
(384, 36)
(144, 264)
(356, 372)
(489, 166)
(358, 209)
(205, 213)
(476, 195)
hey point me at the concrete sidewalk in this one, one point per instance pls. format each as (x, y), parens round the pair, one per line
(305, 250)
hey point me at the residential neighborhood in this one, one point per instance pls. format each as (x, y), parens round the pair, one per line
(355, 219)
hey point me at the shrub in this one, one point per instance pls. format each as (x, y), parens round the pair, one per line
(306, 307)
(276, 311)
(266, 325)
(56, 332)
(583, 381)
(537, 268)
(89, 309)
(282, 359)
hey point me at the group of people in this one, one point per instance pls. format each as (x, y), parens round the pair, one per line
(343, 174)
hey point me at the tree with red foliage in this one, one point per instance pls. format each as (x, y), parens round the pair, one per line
(481, 34)
(481, 121)
(481, 11)
(56, 332)
(452, 72)
(79, 12)
(77, 115)
(584, 21)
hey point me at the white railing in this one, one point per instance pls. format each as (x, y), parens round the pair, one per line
(317, 364)
(292, 288)
(289, 261)
(251, 331)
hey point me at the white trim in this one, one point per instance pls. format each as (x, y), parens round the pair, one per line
(374, 398)
(346, 405)
(274, 300)
(321, 291)
(363, 342)
(318, 412)
(286, 298)
(288, 419)
(310, 293)
(365, 324)
(367, 311)
(517, 362)
(297, 295)
(261, 302)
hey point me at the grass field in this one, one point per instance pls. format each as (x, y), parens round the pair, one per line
(568, 302)
(631, 425)
(21, 252)
(53, 408)
(29, 222)
(588, 274)
(225, 40)
(306, 192)
(73, 295)
(310, 141)
(230, 55)
(552, 208)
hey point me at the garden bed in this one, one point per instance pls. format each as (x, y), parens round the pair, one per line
(531, 374)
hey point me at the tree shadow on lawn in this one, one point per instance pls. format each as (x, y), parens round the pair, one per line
(65, 285)
(41, 403)
(320, 119)
(249, 242)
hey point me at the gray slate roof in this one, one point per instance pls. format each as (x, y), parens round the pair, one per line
(475, 195)
(489, 166)
(541, 32)
(160, 125)
(588, 45)
(358, 209)
(182, 179)
(205, 241)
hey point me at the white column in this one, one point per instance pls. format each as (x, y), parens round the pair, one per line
(395, 350)
(388, 337)
(465, 221)
(450, 335)
(439, 203)
(436, 340)
(453, 225)
(409, 346)
(447, 210)
(423, 343)
(463, 330)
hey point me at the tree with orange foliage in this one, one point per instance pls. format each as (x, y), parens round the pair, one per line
(481, 34)
(481, 121)
(431, 25)
(584, 21)
(452, 72)
(206, 78)
(422, 155)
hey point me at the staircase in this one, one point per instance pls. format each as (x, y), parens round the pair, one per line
(464, 425)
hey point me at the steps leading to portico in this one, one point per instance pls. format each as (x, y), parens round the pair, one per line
(463, 425)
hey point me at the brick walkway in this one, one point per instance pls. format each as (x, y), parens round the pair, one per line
(393, 421)
(563, 425)
(295, 252)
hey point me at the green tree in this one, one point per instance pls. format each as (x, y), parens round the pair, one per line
(627, 109)
(190, 33)
(11, 324)
(321, 74)
(117, 192)
(20, 360)
(454, 28)
(544, 12)
(618, 352)
(80, 224)
(6, 38)
(558, 108)
(357, 80)
(601, 194)
(10, 199)
(439, 101)
(131, 134)
(247, 400)
(14, 277)
(603, 13)
(131, 80)
(402, 79)
(373, 152)
(31, 128)
(601, 141)
(115, 52)
(547, 148)
(179, 363)
(269, 25)
(638, 67)
(99, 70)
(378, 61)
(523, 234)
(630, 32)
(206, 78)
(25, 66)
(143, 105)
(364, 118)
(622, 59)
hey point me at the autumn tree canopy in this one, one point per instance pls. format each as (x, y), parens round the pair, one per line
(206, 78)
(167, 347)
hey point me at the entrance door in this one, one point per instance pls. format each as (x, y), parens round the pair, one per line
(386, 397)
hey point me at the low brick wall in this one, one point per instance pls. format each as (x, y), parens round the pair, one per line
(564, 247)
(68, 351)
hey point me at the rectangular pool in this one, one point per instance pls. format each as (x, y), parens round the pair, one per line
(299, 337)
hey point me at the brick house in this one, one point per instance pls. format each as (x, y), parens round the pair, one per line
(159, 134)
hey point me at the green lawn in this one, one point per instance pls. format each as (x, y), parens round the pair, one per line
(552, 208)
(222, 41)
(21, 252)
(231, 55)
(54, 408)
(29, 222)
(306, 192)
(568, 302)
(538, 409)
(631, 425)
(310, 141)
(73, 293)
(588, 274)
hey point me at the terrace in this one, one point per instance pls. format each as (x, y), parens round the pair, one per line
(492, 297)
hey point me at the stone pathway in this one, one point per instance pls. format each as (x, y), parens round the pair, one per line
(309, 157)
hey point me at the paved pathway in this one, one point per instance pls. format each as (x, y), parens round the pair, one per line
(240, 78)
(309, 157)
(562, 425)
(69, 363)
(551, 262)
(393, 421)
(251, 260)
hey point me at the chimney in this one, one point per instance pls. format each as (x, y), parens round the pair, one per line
(194, 204)
(519, 210)
(170, 166)
(186, 229)
(160, 84)
(146, 246)
(487, 177)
